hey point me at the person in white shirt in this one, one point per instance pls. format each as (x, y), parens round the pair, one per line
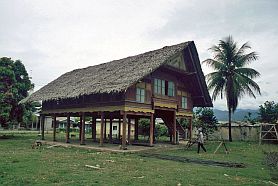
(201, 140)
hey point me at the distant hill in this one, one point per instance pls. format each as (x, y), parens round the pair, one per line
(237, 116)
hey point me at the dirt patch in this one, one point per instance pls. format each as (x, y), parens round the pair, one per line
(6, 137)
(192, 160)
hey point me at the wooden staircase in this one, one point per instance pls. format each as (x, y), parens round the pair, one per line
(179, 128)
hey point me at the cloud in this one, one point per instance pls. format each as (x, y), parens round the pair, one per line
(53, 37)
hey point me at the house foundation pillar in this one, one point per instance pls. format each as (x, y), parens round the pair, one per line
(68, 128)
(82, 141)
(190, 128)
(128, 130)
(119, 129)
(151, 129)
(80, 127)
(101, 129)
(124, 132)
(110, 130)
(136, 129)
(54, 120)
(42, 118)
(174, 141)
(94, 129)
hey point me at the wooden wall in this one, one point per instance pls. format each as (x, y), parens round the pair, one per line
(180, 77)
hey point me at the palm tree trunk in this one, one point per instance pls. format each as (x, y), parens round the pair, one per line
(230, 125)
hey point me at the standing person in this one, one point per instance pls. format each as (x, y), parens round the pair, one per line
(201, 140)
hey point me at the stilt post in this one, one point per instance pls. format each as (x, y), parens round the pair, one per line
(110, 130)
(174, 129)
(68, 128)
(80, 127)
(94, 128)
(190, 129)
(124, 131)
(42, 126)
(54, 126)
(119, 128)
(101, 129)
(136, 129)
(105, 126)
(151, 130)
(128, 130)
(82, 141)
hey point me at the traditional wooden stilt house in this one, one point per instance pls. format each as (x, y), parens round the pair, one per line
(165, 83)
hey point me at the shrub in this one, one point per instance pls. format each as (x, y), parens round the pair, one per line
(271, 161)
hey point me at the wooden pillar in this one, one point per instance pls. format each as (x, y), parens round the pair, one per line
(128, 130)
(151, 130)
(136, 129)
(110, 130)
(80, 127)
(94, 128)
(190, 129)
(101, 129)
(171, 135)
(37, 123)
(119, 129)
(174, 128)
(124, 132)
(42, 126)
(68, 128)
(82, 140)
(105, 122)
(54, 127)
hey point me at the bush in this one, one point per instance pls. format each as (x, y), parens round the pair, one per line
(160, 130)
(271, 161)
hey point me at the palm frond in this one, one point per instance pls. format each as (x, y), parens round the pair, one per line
(249, 72)
(218, 53)
(243, 48)
(245, 59)
(247, 85)
(216, 83)
(214, 64)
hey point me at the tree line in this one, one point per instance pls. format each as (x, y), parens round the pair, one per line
(15, 84)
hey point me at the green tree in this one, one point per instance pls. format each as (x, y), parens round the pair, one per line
(144, 125)
(205, 118)
(249, 118)
(14, 86)
(231, 77)
(160, 130)
(268, 112)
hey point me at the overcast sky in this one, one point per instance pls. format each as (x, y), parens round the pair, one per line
(54, 37)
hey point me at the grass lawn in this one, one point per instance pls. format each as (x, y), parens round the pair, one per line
(22, 165)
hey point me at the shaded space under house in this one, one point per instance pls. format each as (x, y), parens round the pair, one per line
(165, 83)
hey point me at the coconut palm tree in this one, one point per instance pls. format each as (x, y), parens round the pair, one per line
(231, 78)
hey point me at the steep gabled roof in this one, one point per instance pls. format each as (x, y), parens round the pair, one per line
(112, 77)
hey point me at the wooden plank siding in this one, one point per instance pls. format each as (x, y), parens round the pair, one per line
(126, 101)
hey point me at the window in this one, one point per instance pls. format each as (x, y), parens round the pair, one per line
(164, 87)
(171, 88)
(140, 95)
(159, 86)
(184, 102)
(114, 127)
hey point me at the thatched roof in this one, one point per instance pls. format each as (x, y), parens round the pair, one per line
(112, 77)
